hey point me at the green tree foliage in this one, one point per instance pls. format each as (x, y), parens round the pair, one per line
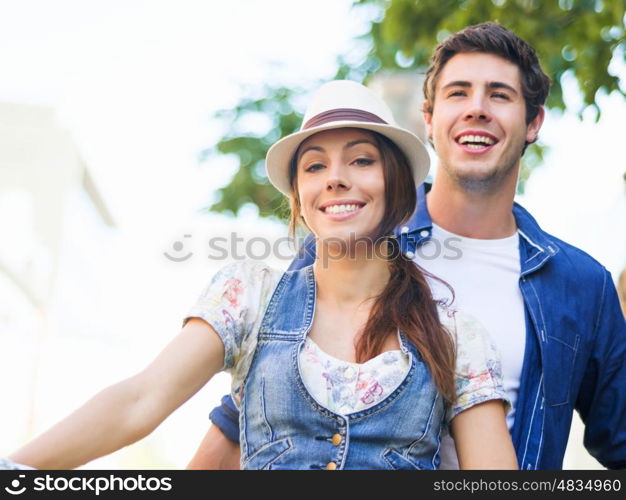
(250, 184)
(575, 37)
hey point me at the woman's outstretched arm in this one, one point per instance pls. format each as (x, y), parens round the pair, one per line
(482, 438)
(129, 410)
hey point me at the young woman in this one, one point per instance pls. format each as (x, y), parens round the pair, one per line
(348, 363)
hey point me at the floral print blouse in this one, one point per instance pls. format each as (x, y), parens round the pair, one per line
(234, 304)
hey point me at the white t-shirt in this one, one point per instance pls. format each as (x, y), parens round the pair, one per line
(485, 277)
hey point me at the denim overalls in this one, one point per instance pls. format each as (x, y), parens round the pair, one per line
(283, 427)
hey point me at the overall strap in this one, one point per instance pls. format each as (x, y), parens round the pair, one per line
(407, 347)
(290, 311)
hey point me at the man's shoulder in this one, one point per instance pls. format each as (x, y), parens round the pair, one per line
(565, 257)
(577, 255)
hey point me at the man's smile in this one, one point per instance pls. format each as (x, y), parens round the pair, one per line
(476, 141)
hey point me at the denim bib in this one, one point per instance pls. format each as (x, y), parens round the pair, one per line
(283, 427)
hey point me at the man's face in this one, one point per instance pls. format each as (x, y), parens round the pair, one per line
(478, 124)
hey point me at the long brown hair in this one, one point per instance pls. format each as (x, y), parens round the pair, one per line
(406, 303)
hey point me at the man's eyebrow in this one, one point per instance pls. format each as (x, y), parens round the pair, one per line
(501, 85)
(457, 83)
(490, 85)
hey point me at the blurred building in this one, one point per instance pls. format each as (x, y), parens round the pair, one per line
(42, 175)
(402, 91)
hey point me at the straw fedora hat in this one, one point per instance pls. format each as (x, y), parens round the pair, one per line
(344, 103)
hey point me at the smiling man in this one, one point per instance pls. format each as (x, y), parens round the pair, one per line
(551, 309)
(479, 127)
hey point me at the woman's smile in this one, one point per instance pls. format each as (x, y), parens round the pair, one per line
(342, 209)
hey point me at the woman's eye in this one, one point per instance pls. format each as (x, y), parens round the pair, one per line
(456, 93)
(500, 95)
(363, 162)
(314, 168)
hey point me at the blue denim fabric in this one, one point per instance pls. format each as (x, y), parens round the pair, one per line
(226, 417)
(575, 357)
(283, 427)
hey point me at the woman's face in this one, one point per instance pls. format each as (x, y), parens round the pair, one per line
(341, 184)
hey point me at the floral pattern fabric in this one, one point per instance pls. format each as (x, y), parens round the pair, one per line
(6, 464)
(234, 304)
(478, 367)
(344, 387)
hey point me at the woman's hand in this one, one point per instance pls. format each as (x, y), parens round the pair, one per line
(482, 438)
(129, 410)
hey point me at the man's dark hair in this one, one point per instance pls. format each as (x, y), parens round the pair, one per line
(492, 38)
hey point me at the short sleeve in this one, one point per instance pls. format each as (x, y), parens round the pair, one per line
(234, 303)
(6, 464)
(478, 376)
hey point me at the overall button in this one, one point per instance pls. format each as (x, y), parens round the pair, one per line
(331, 466)
(336, 439)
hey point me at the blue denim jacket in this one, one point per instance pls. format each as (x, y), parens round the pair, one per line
(575, 355)
(284, 427)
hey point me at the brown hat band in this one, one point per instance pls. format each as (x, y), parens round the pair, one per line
(342, 114)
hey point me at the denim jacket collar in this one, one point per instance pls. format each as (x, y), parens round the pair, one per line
(538, 249)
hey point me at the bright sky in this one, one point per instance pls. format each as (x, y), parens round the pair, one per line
(136, 83)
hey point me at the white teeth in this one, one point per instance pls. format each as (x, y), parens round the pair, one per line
(339, 209)
(482, 139)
